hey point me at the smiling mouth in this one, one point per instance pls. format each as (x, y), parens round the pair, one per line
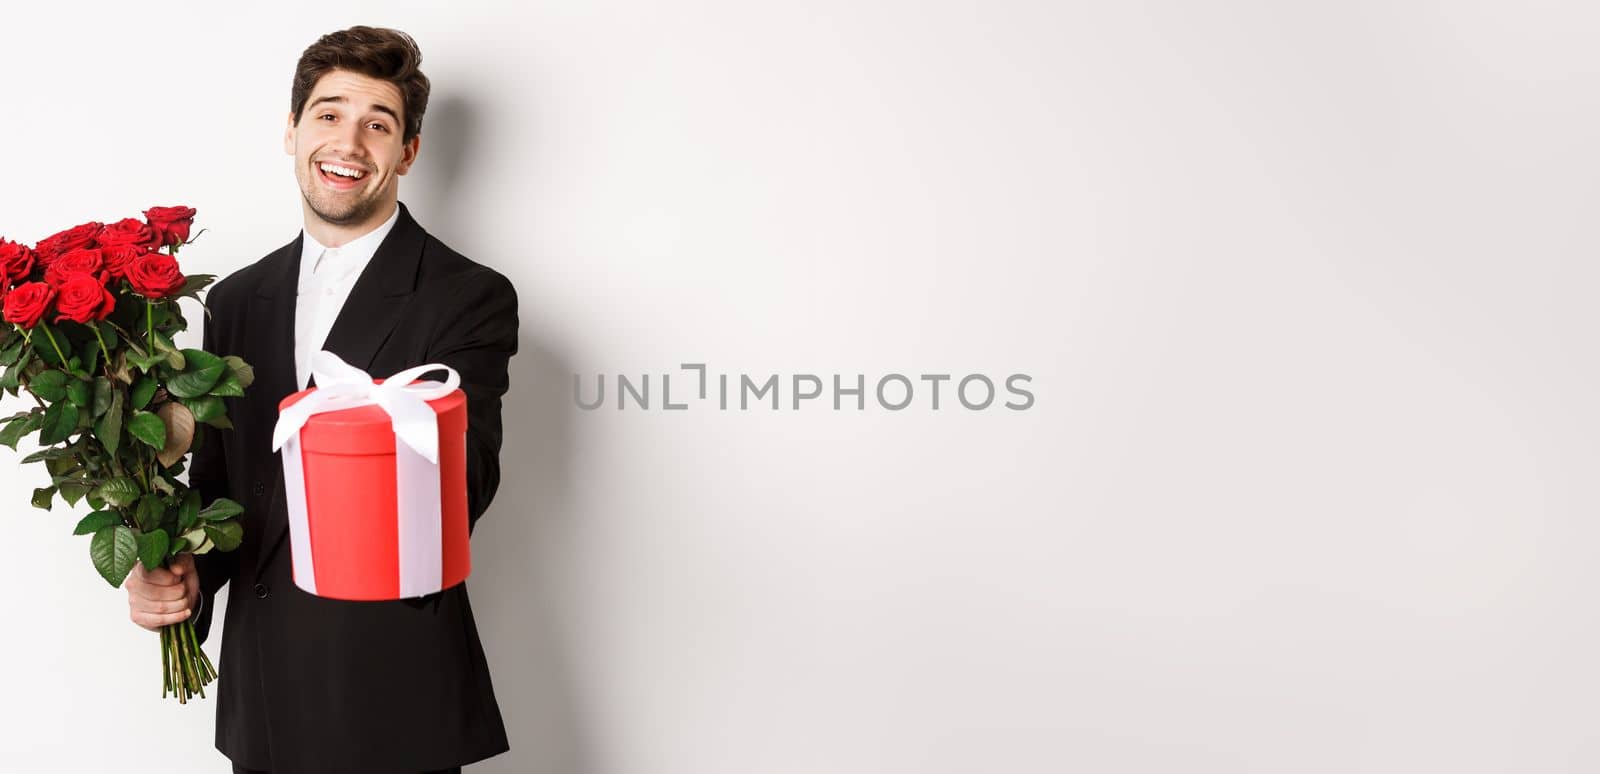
(340, 176)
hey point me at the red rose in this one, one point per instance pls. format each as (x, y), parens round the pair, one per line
(88, 262)
(75, 238)
(16, 260)
(83, 298)
(155, 275)
(172, 223)
(117, 258)
(26, 303)
(129, 232)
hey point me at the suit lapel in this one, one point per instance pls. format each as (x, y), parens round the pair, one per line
(376, 304)
(378, 297)
(274, 308)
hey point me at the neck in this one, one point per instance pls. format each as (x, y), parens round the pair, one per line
(340, 234)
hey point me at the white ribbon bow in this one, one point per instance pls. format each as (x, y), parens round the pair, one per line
(416, 428)
(341, 386)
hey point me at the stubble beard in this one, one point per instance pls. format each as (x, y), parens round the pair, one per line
(336, 212)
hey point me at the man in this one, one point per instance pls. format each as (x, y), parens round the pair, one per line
(309, 684)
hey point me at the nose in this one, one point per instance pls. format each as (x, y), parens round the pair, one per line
(347, 139)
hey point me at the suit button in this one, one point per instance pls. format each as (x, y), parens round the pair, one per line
(261, 591)
(259, 489)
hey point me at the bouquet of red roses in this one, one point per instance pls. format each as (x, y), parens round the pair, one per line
(92, 313)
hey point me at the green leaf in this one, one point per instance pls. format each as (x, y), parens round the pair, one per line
(147, 361)
(204, 408)
(17, 428)
(109, 428)
(194, 283)
(228, 386)
(220, 509)
(148, 428)
(59, 421)
(42, 495)
(152, 548)
(113, 551)
(198, 539)
(50, 386)
(143, 390)
(226, 535)
(91, 357)
(73, 491)
(78, 392)
(12, 378)
(201, 374)
(60, 465)
(119, 492)
(96, 521)
(164, 345)
(189, 511)
(241, 370)
(49, 453)
(102, 395)
(148, 514)
(12, 351)
(47, 352)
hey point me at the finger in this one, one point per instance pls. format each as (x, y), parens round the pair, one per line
(157, 593)
(154, 621)
(157, 577)
(160, 606)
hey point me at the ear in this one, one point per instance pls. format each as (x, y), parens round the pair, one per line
(288, 135)
(408, 155)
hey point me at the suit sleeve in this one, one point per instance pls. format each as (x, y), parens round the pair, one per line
(477, 338)
(208, 474)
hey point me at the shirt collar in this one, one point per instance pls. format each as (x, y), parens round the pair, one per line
(358, 251)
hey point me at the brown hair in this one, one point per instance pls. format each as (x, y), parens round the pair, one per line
(376, 52)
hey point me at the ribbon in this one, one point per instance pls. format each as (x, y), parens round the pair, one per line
(416, 429)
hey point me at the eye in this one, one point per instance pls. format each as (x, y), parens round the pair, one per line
(325, 115)
(379, 126)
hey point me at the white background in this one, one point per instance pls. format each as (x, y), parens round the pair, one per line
(1306, 291)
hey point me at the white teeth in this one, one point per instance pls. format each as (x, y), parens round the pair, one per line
(335, 169)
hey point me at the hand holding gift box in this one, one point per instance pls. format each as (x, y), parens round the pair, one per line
(375, 479)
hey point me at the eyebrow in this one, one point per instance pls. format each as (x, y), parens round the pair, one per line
(378, 106)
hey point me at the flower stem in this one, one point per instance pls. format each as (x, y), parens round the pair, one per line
(195, 654)
(55, 346)
(166, 663)
(186, 669)
(105, 354)
(149, 324)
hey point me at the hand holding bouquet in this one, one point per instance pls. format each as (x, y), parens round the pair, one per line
(92, 313)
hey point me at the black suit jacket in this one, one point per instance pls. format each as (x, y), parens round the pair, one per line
(308, 684)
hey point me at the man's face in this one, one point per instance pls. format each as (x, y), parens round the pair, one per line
(355, 123)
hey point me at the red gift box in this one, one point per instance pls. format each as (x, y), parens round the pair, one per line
(360, 540)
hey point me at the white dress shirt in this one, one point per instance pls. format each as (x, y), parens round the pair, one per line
(327, 274)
